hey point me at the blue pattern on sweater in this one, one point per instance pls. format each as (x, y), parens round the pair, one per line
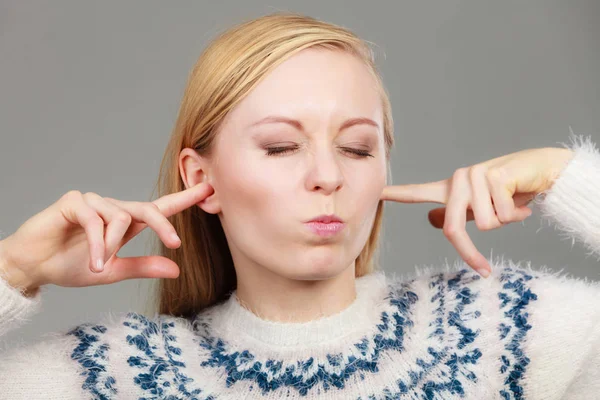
(515, 298)
(91, 354)
(457, 359)
(303, 376)
(158, 355)
(160, 373)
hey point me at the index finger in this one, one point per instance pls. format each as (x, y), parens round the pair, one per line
(433, 192)
(174, 203)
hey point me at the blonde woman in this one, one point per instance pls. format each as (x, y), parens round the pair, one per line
(269, 211)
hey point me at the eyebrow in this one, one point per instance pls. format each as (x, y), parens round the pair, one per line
(272, 119)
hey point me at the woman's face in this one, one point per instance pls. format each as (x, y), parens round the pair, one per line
(264, 199)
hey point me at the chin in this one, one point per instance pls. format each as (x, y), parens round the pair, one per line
(319, 264)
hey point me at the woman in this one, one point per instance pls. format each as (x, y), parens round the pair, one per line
(270, 207)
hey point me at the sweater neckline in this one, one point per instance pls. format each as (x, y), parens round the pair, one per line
(231, 321)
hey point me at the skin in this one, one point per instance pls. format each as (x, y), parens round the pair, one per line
(284, 271)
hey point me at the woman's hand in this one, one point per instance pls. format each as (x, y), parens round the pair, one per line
(493, 193)
(74, 242)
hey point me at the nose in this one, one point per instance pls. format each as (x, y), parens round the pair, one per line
(325, 174)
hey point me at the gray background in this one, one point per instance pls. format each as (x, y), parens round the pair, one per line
(89, 92)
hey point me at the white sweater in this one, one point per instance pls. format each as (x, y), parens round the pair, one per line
(443, 333)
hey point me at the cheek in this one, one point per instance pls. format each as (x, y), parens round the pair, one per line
(249, 189)
(365, 185)
(364, 194)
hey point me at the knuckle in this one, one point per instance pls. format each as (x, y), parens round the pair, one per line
(449, 231)
(504, 218)
(150, 209)
(153, 206)
(477, 170)
(483, 225)
(459, 173)
(123, 217)
(495, 175)
(90, 196)
(71, 194)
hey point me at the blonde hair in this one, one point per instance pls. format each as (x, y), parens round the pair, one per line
(225, 73)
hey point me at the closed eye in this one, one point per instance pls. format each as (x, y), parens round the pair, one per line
(275, 151)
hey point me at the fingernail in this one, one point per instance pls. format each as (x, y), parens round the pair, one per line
(175, 237)
(99, 265)
(484, 272)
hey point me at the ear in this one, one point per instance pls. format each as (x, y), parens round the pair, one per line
(195, 169)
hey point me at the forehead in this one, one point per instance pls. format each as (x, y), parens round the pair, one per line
(317, 84)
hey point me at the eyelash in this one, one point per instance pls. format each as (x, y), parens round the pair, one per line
(278, 151)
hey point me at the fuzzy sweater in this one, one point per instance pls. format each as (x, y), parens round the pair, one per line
(442, 333)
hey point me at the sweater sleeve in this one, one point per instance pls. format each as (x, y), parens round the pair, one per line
(15, 308)
(572, 204)
(43, 370)
(565, 350)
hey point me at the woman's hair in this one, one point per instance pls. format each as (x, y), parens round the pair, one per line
(227, 70)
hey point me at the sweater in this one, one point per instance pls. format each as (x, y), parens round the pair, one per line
(442, 332)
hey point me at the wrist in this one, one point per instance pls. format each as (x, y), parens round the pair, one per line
(560, 158)
(13, 276)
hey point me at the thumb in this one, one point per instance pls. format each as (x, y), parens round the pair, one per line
(143, 267)
(437, 216)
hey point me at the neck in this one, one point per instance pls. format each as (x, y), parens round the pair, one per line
(233, 323)
(281, 299)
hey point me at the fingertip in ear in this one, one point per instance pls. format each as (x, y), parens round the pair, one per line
(210, 205)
